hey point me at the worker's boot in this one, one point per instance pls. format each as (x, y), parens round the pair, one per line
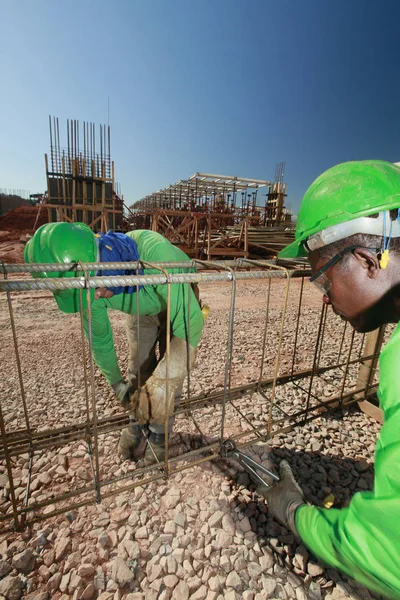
(157, 441)
(130, 441)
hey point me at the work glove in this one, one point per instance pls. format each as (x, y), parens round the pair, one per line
(148, 403)
(284, 498)
(123, 391)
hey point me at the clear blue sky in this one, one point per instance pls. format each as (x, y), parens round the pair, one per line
(222, 86)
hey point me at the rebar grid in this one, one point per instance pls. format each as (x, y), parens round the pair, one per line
(230, 402)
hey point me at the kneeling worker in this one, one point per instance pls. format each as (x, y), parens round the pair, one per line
(144, 391)
(349, 228)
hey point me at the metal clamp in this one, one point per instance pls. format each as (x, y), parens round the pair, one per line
(230, 450)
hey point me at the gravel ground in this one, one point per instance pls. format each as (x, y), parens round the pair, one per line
(203, 533)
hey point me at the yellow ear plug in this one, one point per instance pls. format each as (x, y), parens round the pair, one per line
(329, 500)
(384, 260)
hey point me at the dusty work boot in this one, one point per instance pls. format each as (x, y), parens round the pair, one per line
(130, 442)
(157, 441)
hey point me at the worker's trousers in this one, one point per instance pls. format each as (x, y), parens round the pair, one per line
(144, 333)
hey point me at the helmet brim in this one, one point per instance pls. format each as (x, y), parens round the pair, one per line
(294, 250)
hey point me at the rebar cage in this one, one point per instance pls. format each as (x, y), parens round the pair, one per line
(271, 357)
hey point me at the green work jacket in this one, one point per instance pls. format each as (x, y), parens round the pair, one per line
(363, 540)
(150, 300)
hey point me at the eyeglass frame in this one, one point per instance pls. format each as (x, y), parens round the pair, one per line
(333, 261)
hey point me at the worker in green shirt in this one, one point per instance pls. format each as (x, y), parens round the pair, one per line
(144, 391)
(349, 228)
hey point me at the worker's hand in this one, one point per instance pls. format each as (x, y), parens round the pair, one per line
(103, 293)
(155, 400)
(148, 402)
(284, 498)
(123, 391)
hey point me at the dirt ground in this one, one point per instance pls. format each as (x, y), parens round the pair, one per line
(50, 347)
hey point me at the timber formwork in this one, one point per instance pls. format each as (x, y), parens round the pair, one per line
(210, 215)
(292, 364)
(80, 177)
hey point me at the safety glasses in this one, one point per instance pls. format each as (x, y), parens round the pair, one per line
(320, 278)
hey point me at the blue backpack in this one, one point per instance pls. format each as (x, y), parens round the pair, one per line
(118, 247)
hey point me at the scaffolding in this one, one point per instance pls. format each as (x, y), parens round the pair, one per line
(292, 362)
(80, 177)
(209, 215)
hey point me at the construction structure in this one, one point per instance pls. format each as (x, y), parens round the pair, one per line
(80, 177)
(298, 370)
(210, 215)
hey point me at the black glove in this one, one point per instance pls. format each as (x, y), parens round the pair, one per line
(284, 498)
(123, 391)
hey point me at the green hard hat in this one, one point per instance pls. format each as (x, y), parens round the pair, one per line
(63, 243)
(345, 192)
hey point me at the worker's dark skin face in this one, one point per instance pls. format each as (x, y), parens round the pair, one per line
(361, 292)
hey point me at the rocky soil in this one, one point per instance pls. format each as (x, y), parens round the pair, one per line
(14, 226)
(202, 534)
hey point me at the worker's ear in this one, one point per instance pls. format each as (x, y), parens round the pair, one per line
(368, 260)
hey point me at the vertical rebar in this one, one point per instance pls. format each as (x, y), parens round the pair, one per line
(265, 333)
(278, 354)
(167, 357)
(16, 350)
(347, 366)
(51, 145)
(139, 375)
(313, 368)
(229, 348)
(300, 303)
(87, 402)
(342, 341)
(322, 340)
(7, 457)
(92, 385)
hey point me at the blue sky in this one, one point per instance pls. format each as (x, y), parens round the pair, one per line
(223, 86)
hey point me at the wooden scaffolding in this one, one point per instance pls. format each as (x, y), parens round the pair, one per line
(80, 177)
(211, 215)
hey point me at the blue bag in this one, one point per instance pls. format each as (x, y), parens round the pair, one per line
(118, 247)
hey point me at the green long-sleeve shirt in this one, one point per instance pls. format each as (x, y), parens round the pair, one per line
(363, 540)
(152, 247)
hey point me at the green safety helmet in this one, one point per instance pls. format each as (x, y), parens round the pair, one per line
(338, 203)
(63, 243)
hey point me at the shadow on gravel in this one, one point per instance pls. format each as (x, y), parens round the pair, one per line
(319, 475)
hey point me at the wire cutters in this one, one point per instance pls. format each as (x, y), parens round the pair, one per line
(230, 450)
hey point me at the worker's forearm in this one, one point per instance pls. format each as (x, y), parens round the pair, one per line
(108, 364)
(354, 540)
(104, 352)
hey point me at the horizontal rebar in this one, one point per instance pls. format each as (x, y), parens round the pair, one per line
(21, 441)
(70, 283)
(101, 266)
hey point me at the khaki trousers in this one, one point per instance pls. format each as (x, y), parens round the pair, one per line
(144, 333)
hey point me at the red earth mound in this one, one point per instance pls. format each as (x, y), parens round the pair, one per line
(13, 229)
(22, 219)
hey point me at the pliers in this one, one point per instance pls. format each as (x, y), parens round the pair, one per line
(229, 450)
